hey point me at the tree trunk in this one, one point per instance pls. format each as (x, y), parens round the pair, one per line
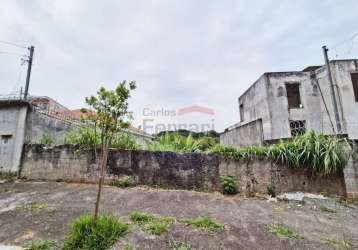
(101, 177)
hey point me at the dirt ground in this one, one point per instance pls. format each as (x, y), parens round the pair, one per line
(245, 219)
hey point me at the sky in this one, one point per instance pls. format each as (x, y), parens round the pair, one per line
(181, 53)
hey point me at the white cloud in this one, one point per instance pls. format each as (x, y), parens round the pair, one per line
(180, 52)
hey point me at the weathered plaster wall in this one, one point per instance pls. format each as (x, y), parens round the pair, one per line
(39, 124)
(341, 70)
(243, 135)
(12, 131)
(311, 110)
(167, 169)
(255, 105)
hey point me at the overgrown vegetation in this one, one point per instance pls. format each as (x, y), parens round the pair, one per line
(88, 233)
(320, 153)
(345, 244)
(151, 223)
(271, 190)
(123, 181)
(41, 245)
(228, 184)
(178, 245)
(177, 143)
(47, 140)
(88, 137)
(281, 231)
(205, 223)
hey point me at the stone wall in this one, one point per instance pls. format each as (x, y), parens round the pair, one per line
(172, 170)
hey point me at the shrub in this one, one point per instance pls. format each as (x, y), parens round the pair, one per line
(177, 143)
(123, 181)
(153, 224)
(228, 184)
(84, 136)
(86, 233)
(271, 190)
(87, 137)
(205, 223)
(47, 140)
(41, 245)
(124, 141)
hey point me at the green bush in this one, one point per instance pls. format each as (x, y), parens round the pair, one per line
(124, 141)
(175, 142)
(271, 190)
(87, 137)
(123, 181)
(228, 184)
(84, 136)
(88, 234)
(41, 245)
(320, 153)
(47, 140)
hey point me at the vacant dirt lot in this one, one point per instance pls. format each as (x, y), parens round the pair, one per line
(55, 205)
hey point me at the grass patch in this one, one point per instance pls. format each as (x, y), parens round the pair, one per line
(86, 233)
(34, 207)
(205, 223)
(41, 245)
(123, 181)
(178, 245)
(338, 243)
(281, 231)
(153, 224)
(327, 210)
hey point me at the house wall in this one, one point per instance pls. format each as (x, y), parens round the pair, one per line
(173, 170)
(341, 70)
(311, 111)
(12, 132)
(256, 105)
(243, 135)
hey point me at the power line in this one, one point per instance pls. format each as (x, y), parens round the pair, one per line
(13, 44)
(11, 53)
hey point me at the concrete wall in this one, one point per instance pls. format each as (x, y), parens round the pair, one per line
(255, 103)
(12, 132)
(167, 169)
(243, 135)
(39, 124)
(341, 70)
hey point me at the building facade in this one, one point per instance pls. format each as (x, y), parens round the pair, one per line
(281, 105)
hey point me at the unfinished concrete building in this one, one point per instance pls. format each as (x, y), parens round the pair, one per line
(280, 105)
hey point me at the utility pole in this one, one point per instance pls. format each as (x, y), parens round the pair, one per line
(333, 94)
(29, 66)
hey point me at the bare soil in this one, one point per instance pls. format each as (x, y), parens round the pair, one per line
(57, 204)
